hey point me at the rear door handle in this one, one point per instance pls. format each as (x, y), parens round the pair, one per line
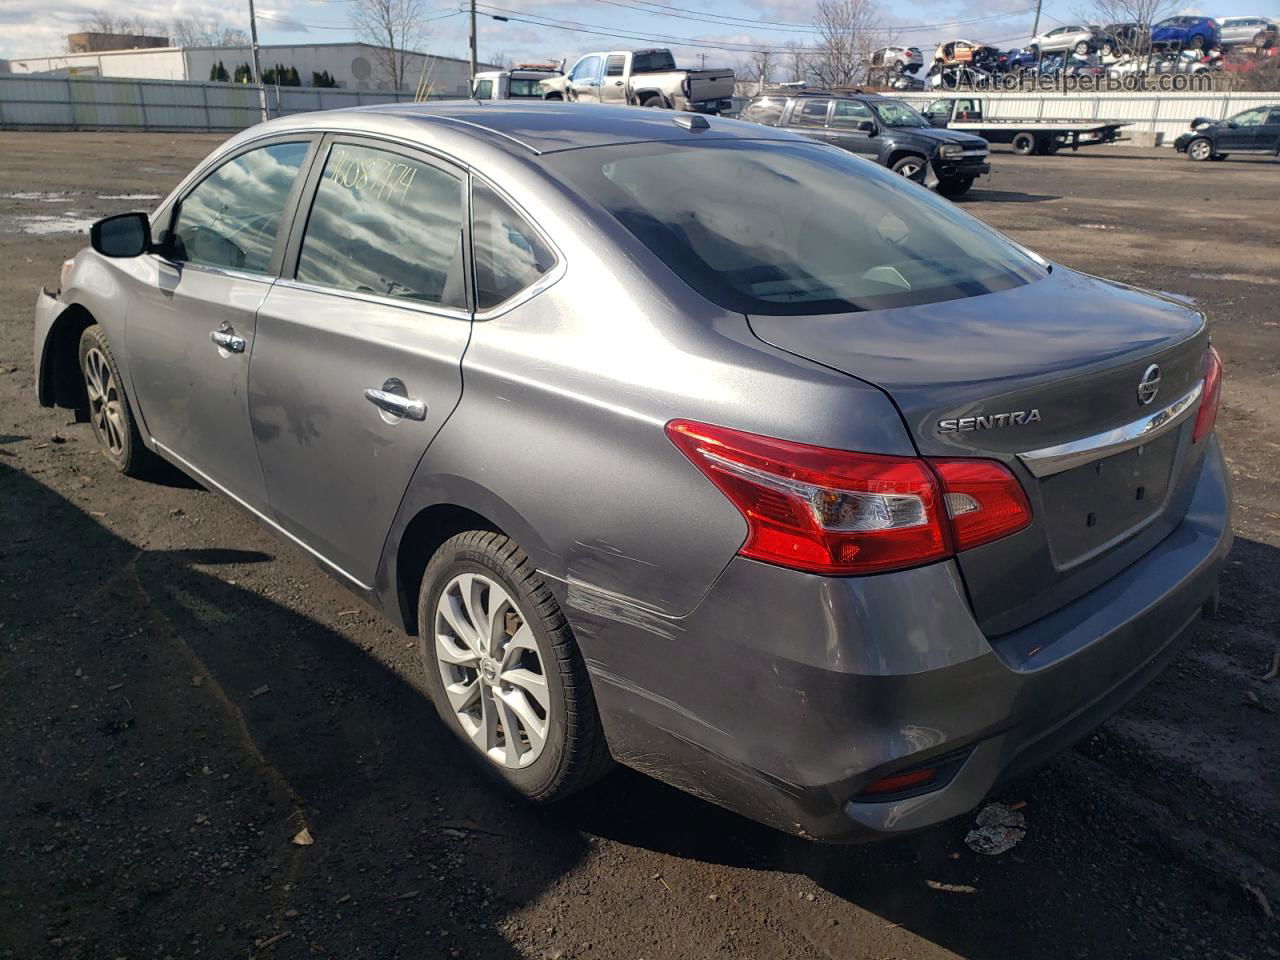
(227, 340)
(398, 405)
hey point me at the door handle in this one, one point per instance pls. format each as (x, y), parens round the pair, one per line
(227, 340)
(397, 405)
(617, 83)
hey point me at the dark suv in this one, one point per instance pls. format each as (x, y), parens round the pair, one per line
(880, 127)
(1256, 130)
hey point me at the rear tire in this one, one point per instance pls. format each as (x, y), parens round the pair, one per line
(955, 188)
(504, 671)
(1197, 42)
(654, 102)
(1024, 144)
(1200, 149)
(1082, 49)
(114, 426)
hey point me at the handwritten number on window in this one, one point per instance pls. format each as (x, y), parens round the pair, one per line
(387, 180)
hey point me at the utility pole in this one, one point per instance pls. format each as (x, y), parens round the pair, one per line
(257, 67)
(1035, 31)
(473, 44)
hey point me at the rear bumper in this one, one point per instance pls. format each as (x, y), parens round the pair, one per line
(783, 695)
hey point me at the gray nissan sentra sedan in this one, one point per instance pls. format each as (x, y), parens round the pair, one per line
(680, 442)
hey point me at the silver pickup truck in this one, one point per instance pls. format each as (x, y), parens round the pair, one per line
(642, 78)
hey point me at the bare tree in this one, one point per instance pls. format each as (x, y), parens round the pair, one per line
(205, 32)
(846, 36)
(759, 68)
(1128, 22)
(104, 21)
(391, 27)
(796, 62)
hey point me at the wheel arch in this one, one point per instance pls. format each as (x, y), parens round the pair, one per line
(441, 508)
(898, 153)
(58, 381)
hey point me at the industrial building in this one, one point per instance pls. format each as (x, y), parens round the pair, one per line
(354, 66)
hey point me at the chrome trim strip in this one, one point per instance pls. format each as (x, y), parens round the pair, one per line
(206, 479)
(1047, 461)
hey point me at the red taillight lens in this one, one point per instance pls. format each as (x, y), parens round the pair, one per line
(900, 782)
(831, 511)
(984, 500)
(1208, 414)
(816, 509)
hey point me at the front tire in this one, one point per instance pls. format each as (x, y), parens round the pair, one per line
(1200, 149)
(504, 671)
(112, 419)
(1082, 49)
(912, 167)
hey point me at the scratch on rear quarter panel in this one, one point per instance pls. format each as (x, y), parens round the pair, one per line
(614, 606)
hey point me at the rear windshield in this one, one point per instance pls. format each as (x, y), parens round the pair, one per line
(524, 88)
(794, 228)
(652, 61)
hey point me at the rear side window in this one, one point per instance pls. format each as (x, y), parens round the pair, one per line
(766, 110)
(386, 224)
(509, 253)
(613, 66)
(231, 219)
(810, 113)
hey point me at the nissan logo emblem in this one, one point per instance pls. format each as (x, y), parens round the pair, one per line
(1149, 385)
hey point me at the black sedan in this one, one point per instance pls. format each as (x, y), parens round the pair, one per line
(1256, 130)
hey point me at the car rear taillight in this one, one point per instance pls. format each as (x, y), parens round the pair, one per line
(1209, 396)
(836, 512)
(984, 501)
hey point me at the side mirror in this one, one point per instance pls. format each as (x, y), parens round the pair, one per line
(124, 235)
(1232, 124)
(867, 126)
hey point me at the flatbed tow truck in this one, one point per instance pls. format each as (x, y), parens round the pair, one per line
(1026, 136)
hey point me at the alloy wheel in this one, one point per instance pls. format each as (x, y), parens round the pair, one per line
(1201, 150)
(492, 670)
(106, 412)
(911, 170)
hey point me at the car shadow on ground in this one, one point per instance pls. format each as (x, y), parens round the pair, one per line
(167, 729)
(166, 735)
(1007, 196)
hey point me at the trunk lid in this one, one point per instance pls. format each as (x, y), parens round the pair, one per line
(1017, 376)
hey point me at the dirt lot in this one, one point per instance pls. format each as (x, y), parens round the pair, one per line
(182, 693)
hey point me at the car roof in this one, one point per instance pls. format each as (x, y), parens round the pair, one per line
(523, 127)
(829, 95)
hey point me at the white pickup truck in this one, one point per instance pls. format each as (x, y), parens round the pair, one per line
(642, 78)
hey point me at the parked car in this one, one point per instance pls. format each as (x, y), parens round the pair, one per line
(1081, 39)
(910, 580)
(1186, 33)
(967, 52)
(1070, 66)
(642, 78)
(520, 83)
(738, 406)
(897, 58)
(907, 81)
(1248, 32)
(882, 128)
(1018, 60)
(1252, 131)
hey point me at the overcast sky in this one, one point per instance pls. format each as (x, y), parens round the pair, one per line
(722, 30)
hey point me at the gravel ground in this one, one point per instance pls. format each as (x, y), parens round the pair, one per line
(184, 694)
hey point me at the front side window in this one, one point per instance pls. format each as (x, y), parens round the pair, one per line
(586, 69)
(386, 224)
(509, 253)
(792, 228)
(231, 219)
(849, 113)
(484, 90)
(894, 113)
(1250, 118)
(812, 113)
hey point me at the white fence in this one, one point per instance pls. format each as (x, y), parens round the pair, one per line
(1167, 113)
(95, 103)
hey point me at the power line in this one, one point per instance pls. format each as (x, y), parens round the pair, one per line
(347, 27)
